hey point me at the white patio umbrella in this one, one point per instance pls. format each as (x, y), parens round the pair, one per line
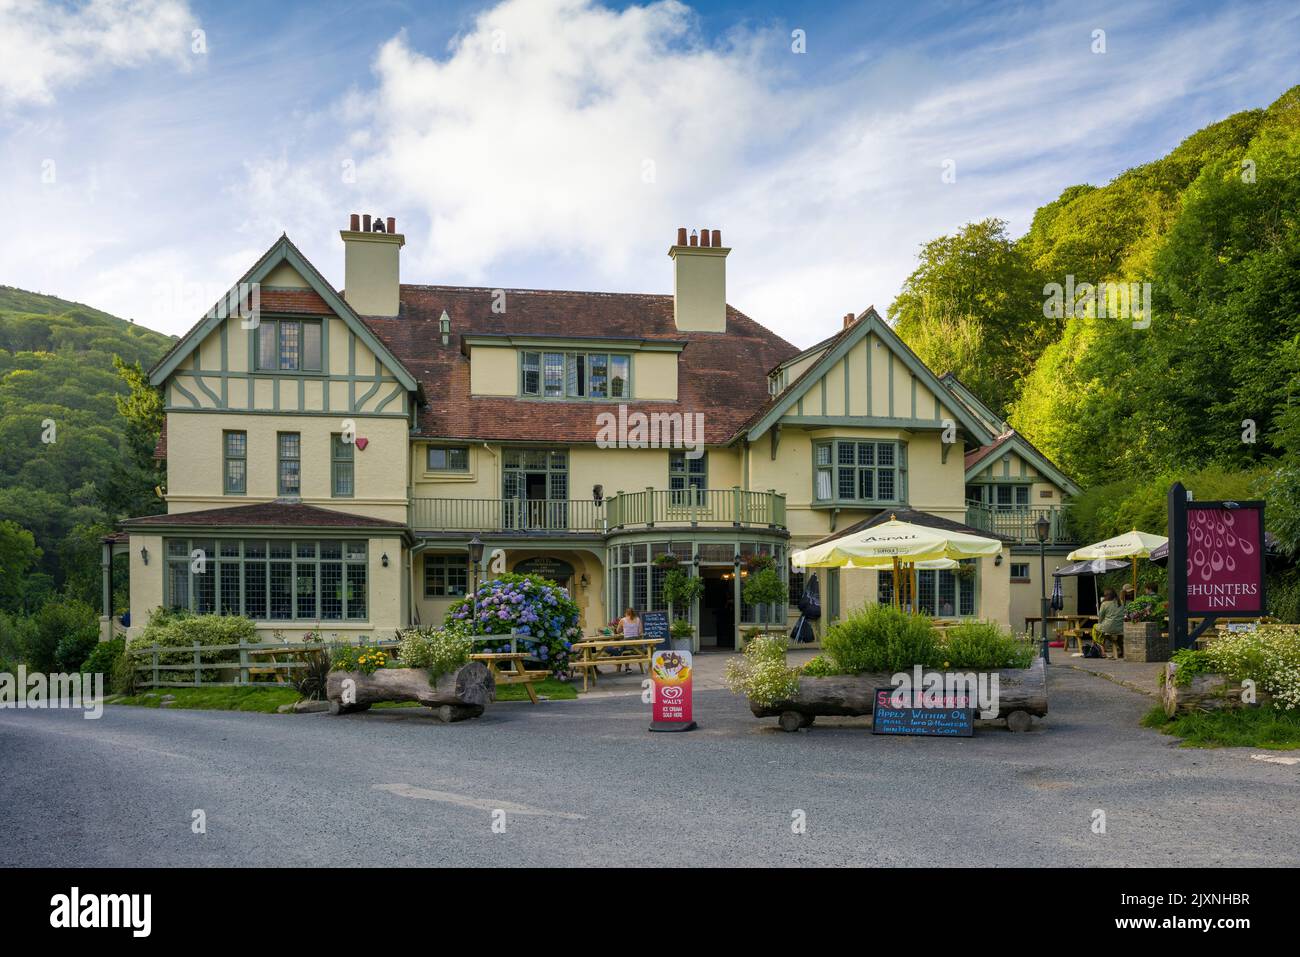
(1133, 544)
(892, 542)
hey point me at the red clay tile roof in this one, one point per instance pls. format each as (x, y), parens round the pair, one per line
(270, 514)
(719, 374)
(304, 301)
(984, 451)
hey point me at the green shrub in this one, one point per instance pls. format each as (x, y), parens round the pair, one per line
(1283, 591)
(1191, 662)
(65, 632)
(819, 666)
(761, 673)
(441, 650)
(16, 633)
(881, 638)
(103, 660)
(984, 646)
(181, 631)
(764, 587)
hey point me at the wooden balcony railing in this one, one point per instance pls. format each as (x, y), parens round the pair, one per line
(732, 506)
(625, 510)
(1021, 523)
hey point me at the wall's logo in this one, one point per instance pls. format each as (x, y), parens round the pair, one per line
(103, 910)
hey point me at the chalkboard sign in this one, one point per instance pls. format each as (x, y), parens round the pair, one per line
(954, 718)
(654, 624)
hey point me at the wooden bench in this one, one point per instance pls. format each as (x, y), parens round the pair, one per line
(515, 673)
(596, 653)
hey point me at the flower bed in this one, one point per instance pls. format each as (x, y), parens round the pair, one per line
(1235, 670)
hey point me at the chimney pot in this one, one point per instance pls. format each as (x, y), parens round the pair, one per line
(704, 237)
(717, 237)
(365, 223)
(392, 224)
(354, 223)
(849, 319)
(695, 239)
(681, 235)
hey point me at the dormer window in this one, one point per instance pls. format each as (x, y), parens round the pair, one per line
(575, 375)
(289, 345)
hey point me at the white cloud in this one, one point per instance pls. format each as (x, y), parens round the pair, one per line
(45, 46)
(521, 148)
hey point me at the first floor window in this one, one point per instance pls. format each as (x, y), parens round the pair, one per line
(852, 471)
(575, 375)
(235, 458)
(268, 580)
(289, 345)
(290, 460)
(341, 467)
(445, 576)
(687, 478)
(447, 458)
(1020, 571)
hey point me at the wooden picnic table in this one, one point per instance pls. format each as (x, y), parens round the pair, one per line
(597, 652)
(515, 673)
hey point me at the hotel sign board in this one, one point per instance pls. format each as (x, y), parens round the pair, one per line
(1225, 558)
(1216, 563)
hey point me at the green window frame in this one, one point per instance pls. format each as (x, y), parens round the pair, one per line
(859, 471)
(234, 462)
(289, 345)
(940, 594)
(343, 482)
(445, 576)
(268, 579)
(446, 458)
(288, 463)
(567, 376)
(686, 474)
(1020, 571)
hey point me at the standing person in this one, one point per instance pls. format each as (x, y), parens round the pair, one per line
(1110, 622)
(629, 626)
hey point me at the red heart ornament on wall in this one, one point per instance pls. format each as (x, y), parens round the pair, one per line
(362, 443)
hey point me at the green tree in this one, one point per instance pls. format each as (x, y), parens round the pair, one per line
(18, 556)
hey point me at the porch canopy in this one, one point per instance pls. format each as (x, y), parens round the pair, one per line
(894, 543)
(1132, 544)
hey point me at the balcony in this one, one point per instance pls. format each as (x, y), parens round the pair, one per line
(734, 508)
(1019, 523)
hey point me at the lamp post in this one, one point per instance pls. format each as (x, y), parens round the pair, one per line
(475, 557)
(1042, 528)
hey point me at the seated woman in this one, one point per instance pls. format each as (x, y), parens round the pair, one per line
(629, 626)
(1110, 622)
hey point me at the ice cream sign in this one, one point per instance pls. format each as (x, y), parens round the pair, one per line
(670, 673)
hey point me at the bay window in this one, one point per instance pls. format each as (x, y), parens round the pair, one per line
(867, 472)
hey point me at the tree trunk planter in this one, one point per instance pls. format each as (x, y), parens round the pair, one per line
(1205, 692)
(1022, 692)
(453, 697)
(1142, 642)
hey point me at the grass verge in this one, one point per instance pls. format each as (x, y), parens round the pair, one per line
(549, 687)
(1265, 728)
(265, 700)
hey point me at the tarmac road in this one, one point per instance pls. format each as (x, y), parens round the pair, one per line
(582, 783)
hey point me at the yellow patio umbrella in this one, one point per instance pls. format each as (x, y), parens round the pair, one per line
(892, 542)
(1132, 544)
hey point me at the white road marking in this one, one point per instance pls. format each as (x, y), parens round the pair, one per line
(477, 804)
(1275, 759)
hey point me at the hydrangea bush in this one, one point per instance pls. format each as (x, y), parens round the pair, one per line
(527, 605)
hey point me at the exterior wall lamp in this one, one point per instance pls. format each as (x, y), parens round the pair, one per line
(144, 554)
(384, 559)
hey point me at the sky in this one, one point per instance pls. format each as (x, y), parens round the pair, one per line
(151, 150)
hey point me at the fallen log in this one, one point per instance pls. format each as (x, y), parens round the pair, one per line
(1022, 692)
(1204, 692)
(454, 696)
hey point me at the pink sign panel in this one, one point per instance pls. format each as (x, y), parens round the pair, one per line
(1225, 561)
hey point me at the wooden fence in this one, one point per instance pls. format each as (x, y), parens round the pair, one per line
(157, 667)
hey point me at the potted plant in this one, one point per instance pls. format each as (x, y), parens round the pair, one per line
(1144, 619)
(681, 634)
(764, 587)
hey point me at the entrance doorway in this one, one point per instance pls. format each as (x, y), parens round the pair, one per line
(717, 609)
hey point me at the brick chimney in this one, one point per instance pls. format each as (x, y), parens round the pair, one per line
(371, 277)
(699, 281)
